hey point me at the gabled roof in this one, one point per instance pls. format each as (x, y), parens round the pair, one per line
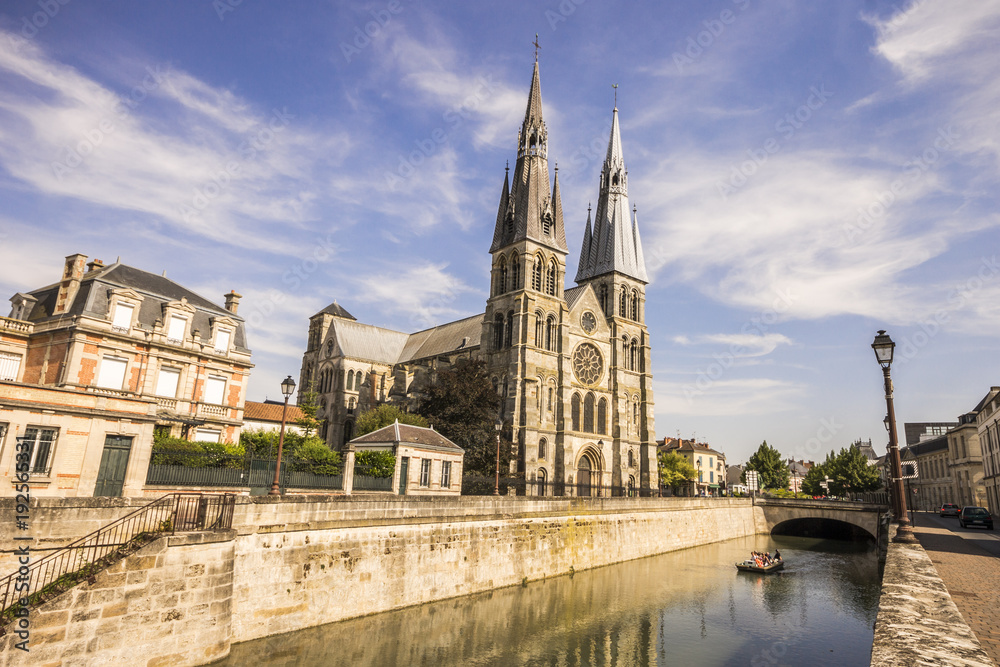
(365, 341)
(336, 310)
(405, 433)
(270, 412)
(460, 335)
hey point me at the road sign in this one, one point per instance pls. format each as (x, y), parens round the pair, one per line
(752, 480)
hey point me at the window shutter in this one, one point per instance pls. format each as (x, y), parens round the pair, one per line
(10, 364)
(222, 338)
(214, 390)
(112, 375)
(166, 382)
(176, 329)
(123, 316)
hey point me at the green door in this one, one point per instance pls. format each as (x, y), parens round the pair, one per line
(404, 466)
(114, 464)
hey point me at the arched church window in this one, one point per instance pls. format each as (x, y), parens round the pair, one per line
(539, 329)
(604, 299)
(541, 448)
(575, 412)
(509, 332)
(588, 413)
(635, 306)
(350, 380)
(631, 459)
(515, 273)
(635, 410)
(632, 354)
(624, 361)
(501, 276)
(550, 279)
(623, 303)
(551, 405)
(536, 273)
(602, 416)
(498, 331)
(550, 334)
(351, 404)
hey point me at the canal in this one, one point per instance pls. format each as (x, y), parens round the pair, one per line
(688, 607)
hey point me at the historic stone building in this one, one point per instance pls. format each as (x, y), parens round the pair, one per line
(573, 364)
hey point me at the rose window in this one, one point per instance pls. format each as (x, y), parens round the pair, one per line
(587, 363)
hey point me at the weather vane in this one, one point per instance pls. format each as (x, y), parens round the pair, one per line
(537, 46)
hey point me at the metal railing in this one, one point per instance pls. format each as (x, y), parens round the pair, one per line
(81, 560)
(486, 486)
(171, 468)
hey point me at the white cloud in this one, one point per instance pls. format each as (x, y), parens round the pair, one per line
(727, 398)
(741, 344)
(425, 293)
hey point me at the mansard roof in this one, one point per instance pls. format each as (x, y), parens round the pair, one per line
(613, 245)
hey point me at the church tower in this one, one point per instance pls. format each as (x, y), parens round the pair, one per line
(522, 325)
(612, 263)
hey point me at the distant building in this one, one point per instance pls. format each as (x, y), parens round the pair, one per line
(987, 418)
(865, 447)
(116, 335)
(710, 464)
(965, 461)
(931, 486)
(796, 473)
(916, 432)
(427, 463)
(266, 416)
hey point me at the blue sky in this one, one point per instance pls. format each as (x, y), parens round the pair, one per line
(805, 174)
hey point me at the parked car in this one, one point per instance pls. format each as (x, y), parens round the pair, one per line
(975, 516)
(950, 509)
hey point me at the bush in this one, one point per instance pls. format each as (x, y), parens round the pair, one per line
(312, 455)
(380, 464)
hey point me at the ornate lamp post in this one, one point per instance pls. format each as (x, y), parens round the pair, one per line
(287, 387)
(884, 347)
(498, 425)
(795, 482)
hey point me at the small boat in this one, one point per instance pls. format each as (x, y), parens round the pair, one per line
(750, 566)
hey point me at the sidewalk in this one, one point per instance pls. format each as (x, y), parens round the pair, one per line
(970, 573)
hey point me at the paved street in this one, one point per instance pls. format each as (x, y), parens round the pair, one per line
(968, 561)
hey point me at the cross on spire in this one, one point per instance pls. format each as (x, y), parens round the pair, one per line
(615, 86)
(537, 46)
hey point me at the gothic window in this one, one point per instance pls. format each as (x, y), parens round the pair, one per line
(550, 334)
(498, 331)
(351, 404)
(575, 412)
(539, 329)
(509, 333)
(509, 223)
(623, 303)
(541, 448)
(631, 459)
(515, 273)
(501, 276)
(624, 361)
(604, 299)
(550, 279)
(635, 410)
(547, 224)
(602, 416)
(350, 380)
(632, 355)
(536, 274)
(538, 398)
(588, 413)
(540, 482)
(635, 306)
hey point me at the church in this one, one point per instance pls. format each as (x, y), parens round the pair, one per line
(573, 365)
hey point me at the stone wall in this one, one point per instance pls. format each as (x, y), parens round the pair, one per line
(170, 603)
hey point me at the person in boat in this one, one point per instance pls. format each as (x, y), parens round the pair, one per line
(777, 555)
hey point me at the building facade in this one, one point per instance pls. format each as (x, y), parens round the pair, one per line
(965, 463)
(572, 365)
(117, 334)
(987, 418)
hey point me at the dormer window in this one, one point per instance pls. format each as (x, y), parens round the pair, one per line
(122, 320)
(223, 337)
(175, 328)
(547, 224)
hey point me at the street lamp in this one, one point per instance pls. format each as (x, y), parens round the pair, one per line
(287, 387)
(498, 425)
(884, 347)
(795, 482)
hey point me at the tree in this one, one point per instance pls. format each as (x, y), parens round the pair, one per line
(382, 416)
(463, 406)
(675, 470)
(770, 466)
(849, 471)
(812, 483)
(308, 406)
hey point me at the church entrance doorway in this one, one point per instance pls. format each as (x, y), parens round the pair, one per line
(588, 474)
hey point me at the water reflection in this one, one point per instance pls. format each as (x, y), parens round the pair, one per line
(687, 607)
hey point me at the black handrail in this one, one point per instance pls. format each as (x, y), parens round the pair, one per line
(83, 559)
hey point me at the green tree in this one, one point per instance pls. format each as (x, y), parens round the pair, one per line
(308, 406)
(382, 416)
(462, 404)
(850, 472)
(770, 466)
(675, 470)
(812, 483)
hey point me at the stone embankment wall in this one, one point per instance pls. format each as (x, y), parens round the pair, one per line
(297, 562)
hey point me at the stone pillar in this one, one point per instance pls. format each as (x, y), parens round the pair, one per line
(348, 477)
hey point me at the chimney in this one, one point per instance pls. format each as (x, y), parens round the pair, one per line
(70, 283)
(95, 265)
(233, 301)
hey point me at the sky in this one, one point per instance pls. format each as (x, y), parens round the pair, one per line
(805, 174)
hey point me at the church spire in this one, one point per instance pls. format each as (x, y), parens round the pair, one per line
(614, 244)
(530, 208)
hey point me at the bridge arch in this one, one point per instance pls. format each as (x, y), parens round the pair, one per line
(831, 519)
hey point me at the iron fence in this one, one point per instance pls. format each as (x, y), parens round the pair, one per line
(168, 468)
(81, 560)
(487, 486)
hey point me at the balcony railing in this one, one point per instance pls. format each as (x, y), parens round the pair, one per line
(167, 403)
(217, 410)
(20, 326)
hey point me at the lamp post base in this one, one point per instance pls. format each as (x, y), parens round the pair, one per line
(904, 534)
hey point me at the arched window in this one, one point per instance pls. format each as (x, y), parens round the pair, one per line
(588, 413)
(603, 292)
(550, 279)
(498, 331)
(539, 398)
(550, 334)
(624, 361)
(602, 416)
(631, 459)
(350, 380)
(633, 350)
(348, 431)
(540, 480)
(501, 276)
(536, 273)
(635, 410)
(515, 273)
(509, 333)
(635, 306)
(539, 329)
(541, 448)
(623, 303)
(551, 404)
(575, 412)
(351, 404)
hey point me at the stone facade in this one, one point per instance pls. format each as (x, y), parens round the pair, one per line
(988, 429)
(572, 365)
(965, 463)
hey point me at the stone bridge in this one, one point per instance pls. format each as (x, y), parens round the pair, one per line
(823, 518)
